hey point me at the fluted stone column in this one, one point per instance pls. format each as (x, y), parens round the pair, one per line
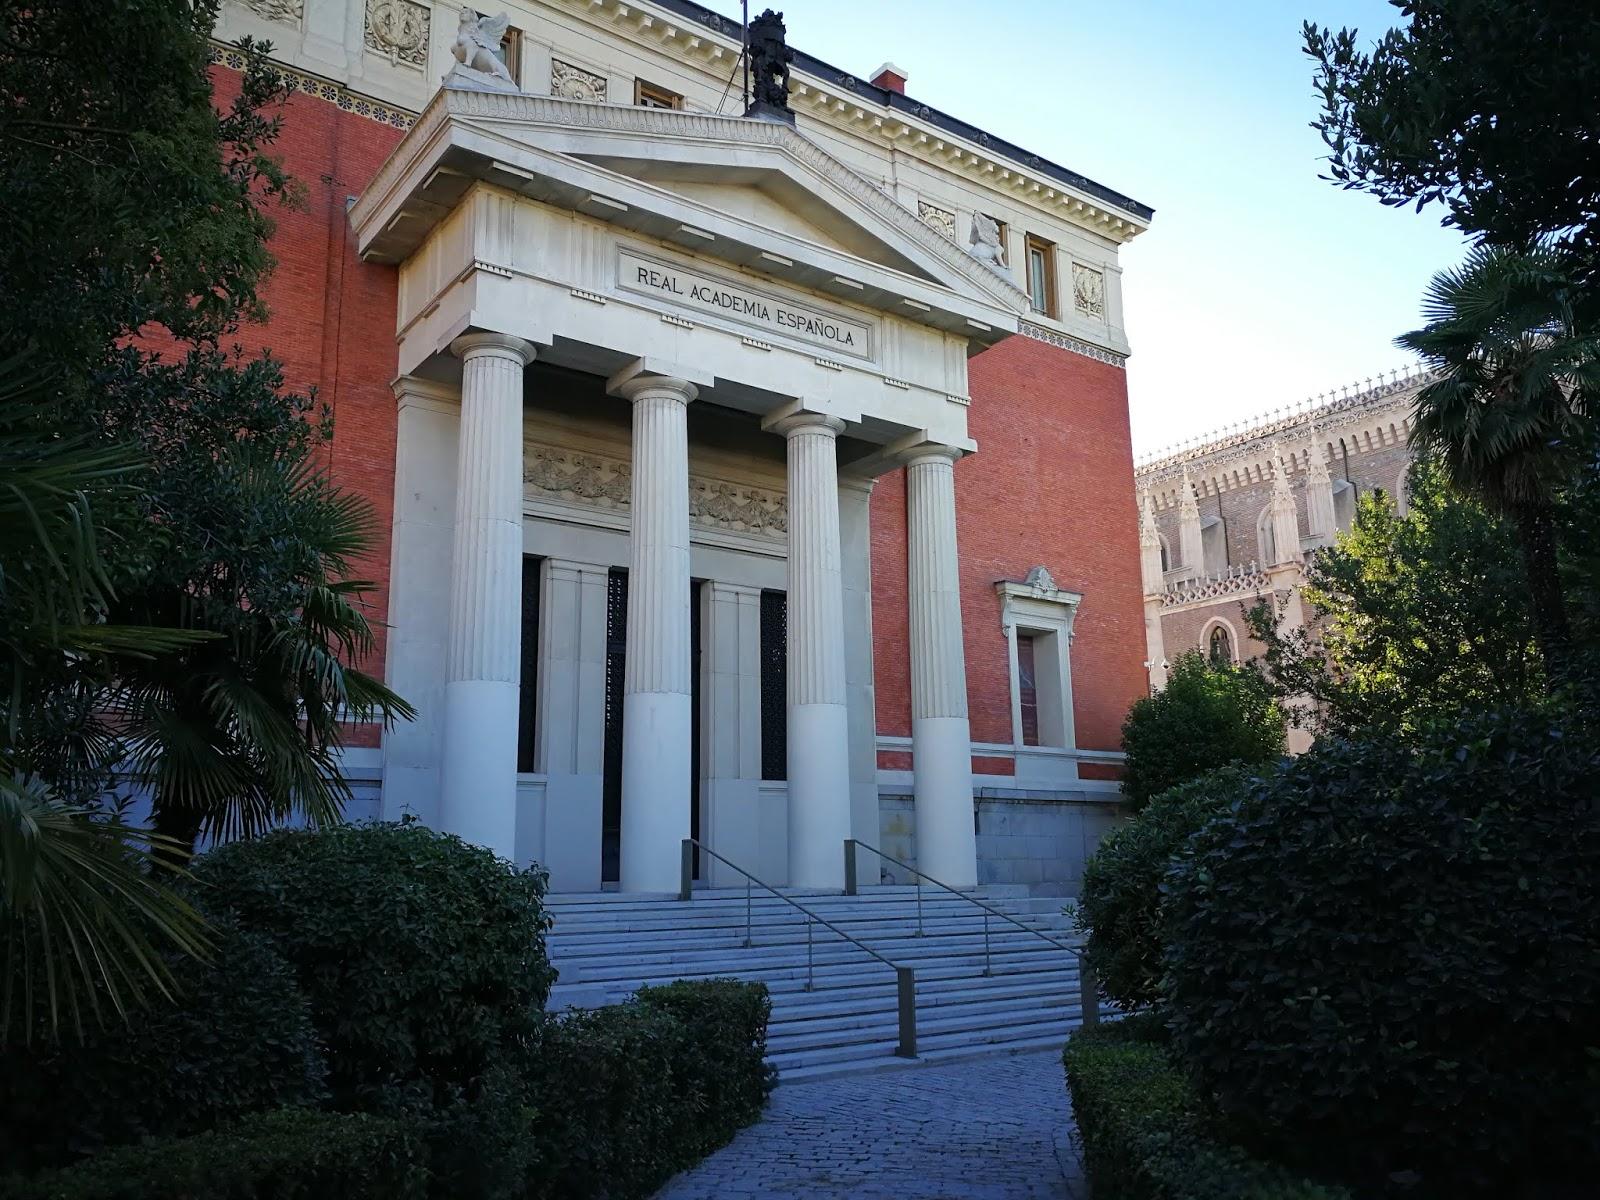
(483, 655)
(819, 723)
(656, 714)
(941, 737)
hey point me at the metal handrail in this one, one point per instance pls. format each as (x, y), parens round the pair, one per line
(1088, 987)
(905, 977)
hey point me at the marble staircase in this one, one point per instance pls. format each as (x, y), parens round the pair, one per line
(607, 944)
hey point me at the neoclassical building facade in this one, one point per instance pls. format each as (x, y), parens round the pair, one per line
(755, 480)
(1230, 520)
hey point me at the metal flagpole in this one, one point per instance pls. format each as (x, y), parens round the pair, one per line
(745, 54)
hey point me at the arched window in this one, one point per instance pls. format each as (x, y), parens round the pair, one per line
(1219, 646)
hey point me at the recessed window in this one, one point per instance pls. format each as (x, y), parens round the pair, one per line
(1042, 275)
(1219, 647)
(649, 95)
(1028, 688)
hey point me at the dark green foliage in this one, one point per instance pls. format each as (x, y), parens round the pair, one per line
(722, 1075)
(631, 1094)
(607, 1116)
(1387, 957)
(1206, 717)
(423, 958)
(1142, 1129)
(1483, 105)
(1417, 618)
(1122, 897)
(240, 1039)
(289, 1155)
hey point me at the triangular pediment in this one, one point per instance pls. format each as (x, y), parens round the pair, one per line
(756, 193)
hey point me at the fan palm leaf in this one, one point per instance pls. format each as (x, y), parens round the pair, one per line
(1516, 353)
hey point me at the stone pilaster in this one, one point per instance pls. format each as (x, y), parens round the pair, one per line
(855, 546)
(1281, 512)
(819, 731)
(1191, 550)
(656, 685)
(478, 766)
(941, 737)
(731, 816)
(1321, 520)
(569, 747)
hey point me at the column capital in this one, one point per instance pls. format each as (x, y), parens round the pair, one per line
(804, 421)
(641, 387)
(918, 447)
(498, 345)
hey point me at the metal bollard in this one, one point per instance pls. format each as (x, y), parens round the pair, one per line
(686, 870)
(1088, 993)
(906, 986)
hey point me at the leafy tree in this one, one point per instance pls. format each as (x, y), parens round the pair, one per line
(82, 921)
(142, 213)
(1484, 106)
(1514, 338)
(1415, 616)
(1206, 717)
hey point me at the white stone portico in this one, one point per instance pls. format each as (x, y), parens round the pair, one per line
(683, 346)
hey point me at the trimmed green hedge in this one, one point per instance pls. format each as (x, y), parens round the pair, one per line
(1141, 1130)
(630, 1094)
(295, 1154)
(1387, 956)
(423, 958)
(1124, 883)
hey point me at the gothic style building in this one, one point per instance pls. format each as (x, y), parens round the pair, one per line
(760, 479)
(1230, 520)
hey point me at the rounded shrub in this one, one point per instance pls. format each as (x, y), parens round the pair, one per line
(1389, 957)
(238, 1038)
(1119, 906)
(423, 958)
(1206, 717)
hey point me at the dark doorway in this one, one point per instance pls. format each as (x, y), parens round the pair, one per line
(774, 685)
(529, 691)
(695, 586)
(611, 785)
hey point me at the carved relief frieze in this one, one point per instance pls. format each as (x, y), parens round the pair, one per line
(1088, 292)
(288, 12)
(398, 30)
(934, 217)
(574, 83)
(602, 482)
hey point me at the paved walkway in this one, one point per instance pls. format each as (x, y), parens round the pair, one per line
(984, 1129)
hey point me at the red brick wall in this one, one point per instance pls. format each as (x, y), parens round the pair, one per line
(1051, 485)
(332, 317)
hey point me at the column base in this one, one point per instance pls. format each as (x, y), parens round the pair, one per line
(478, 766)
(941, 754)
(655, 790)
(819, 794)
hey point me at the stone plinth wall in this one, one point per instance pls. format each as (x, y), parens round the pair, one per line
(1036, 839)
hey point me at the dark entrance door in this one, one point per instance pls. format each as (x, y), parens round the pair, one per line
(611, 785)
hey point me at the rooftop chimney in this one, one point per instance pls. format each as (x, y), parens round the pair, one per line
(890, 78)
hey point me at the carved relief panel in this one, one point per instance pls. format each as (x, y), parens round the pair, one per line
(398, 30)
(288, 12)
(1088, 292)
(938, 218)
(574, 83)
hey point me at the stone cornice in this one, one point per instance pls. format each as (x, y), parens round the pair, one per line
(1251, 440)
(700, 37)
(1076, 345)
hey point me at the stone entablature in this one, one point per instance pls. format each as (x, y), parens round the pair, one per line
(913, 153)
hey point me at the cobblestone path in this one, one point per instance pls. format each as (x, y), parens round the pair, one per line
(985, 1129)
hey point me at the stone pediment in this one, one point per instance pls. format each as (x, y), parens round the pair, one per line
(753, 193)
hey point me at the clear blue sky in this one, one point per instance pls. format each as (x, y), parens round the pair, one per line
(1258, 284)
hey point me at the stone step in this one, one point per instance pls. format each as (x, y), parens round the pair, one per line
(841, 1013)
